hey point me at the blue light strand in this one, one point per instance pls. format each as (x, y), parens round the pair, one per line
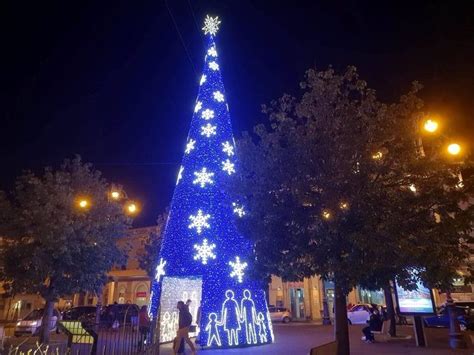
(234, 310)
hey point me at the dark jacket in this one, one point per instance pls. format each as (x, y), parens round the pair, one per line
(375, 322)
(185, 317)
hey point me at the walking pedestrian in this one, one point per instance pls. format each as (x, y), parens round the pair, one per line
(184, 322)
(143, 326)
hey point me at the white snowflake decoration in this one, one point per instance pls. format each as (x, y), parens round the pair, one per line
(198, 106)
(203, 79)
(211, 25)
(204, 251)
(207, 114)
(237, 269)
(199, 221)
(228, 167)
(212, 52)
(160, 270)
(218, 96)
(238, 210)
(203, 177)
(208, 130)
(228, 148)
(190, 146)
(214, 66)
(180, 174)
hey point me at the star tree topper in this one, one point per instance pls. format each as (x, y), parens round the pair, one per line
(211, 25)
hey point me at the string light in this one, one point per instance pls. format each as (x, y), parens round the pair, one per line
(205, 253)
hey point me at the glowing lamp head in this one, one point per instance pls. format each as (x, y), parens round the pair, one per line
(132, 208)
(343, 205)
(430, 126)
(454, 149)
(326, 215)
(115, 195)
(377, 156)
(83, 203)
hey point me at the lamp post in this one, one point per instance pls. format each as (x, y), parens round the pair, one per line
(456, 339)
(326, 317)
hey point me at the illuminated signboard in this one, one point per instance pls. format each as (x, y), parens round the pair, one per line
(415, 302)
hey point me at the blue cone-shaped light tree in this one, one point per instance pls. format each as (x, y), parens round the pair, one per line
(203, 258)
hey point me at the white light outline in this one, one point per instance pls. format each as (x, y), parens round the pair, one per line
(204, 251)
(207, 114)
(199, 221)
(190, 146)
(237, 269)
(214, 66)
(208, 130)
(203, 177)
(228, 167)
(228, 148)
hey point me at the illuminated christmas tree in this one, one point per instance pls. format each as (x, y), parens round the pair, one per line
(203, 257)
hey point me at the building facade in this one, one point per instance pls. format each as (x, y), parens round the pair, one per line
(130, 284)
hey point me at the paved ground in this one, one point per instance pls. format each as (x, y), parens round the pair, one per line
(299, 338)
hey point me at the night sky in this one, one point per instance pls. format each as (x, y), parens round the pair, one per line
(114, 82)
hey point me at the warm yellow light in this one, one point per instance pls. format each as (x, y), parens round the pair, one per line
(326, 214)
(412, 188)
(454, 149)
(115, 195)
(83, 203)
(430, 126)
(377, 156)
(344, 205)
(132, 208)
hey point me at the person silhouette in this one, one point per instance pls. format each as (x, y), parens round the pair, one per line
(262, 328)
(230, 318)
(212, 330)
(248, 316)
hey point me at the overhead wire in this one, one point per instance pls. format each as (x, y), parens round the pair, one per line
(180, 37)
(194, 17)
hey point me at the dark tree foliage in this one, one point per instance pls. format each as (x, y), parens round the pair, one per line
(50, 245)
(339, 185)
(148, 259)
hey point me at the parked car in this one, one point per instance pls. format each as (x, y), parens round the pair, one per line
(122, 313)
(279, 314)
(359, 314)
(79, 313)
(32, 322)
(465, 311)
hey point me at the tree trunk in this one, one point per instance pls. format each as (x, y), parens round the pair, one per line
(46, 321)
(341, 328)
(387, 290)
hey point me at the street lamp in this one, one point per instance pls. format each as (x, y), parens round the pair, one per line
(430, 126)
(377, 156)
(326, 214)
(83, 203)
(454, 149)
(343, 205)
(115, 195)
(131, 208)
